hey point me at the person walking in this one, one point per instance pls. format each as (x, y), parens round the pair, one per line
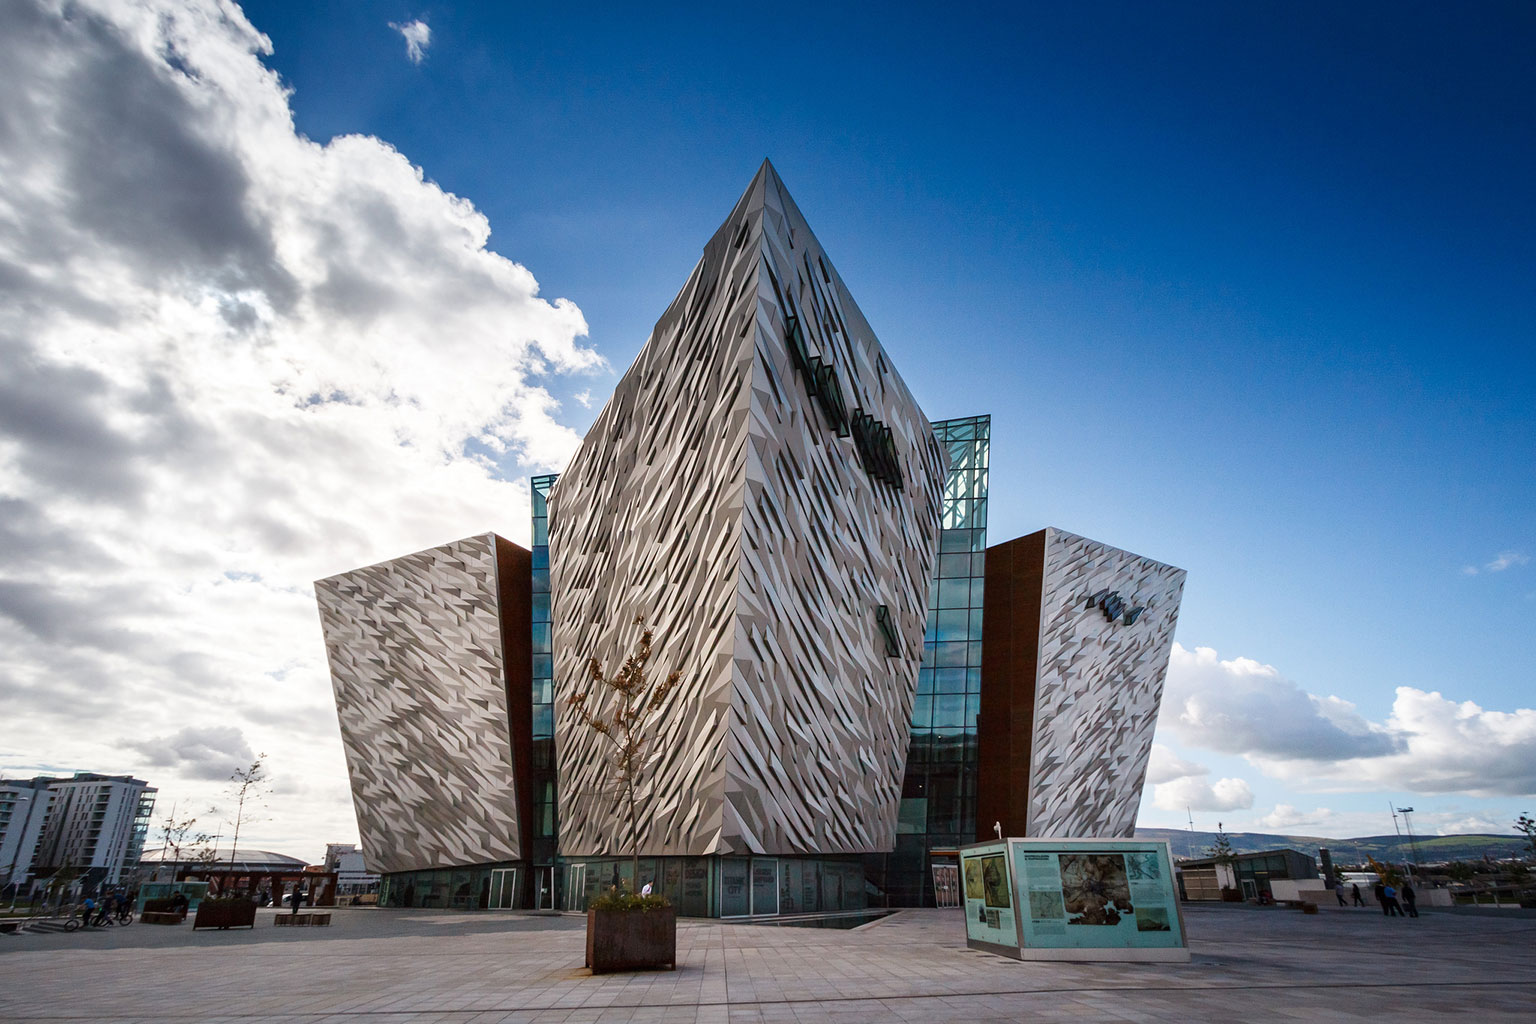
(1391, 907)
(1381, 898)
(1338, 890)
(1411, 899)
(1359, 899)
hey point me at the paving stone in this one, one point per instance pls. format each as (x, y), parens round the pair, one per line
(439, 967)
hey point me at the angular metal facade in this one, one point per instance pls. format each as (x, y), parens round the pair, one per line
(422, 663)
(764, 491)
(1078, 639)
(1106, 633)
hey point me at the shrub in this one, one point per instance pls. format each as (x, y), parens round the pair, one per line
(622, 899)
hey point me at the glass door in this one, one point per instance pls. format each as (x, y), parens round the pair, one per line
(503, 894)
(734, 897)
(576, 887)
(544, 878)
(765, 885)
(946, 885)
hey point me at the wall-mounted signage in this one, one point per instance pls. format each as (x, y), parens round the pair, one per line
(1114, 606)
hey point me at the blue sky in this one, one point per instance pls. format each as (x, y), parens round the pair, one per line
(1246, 288)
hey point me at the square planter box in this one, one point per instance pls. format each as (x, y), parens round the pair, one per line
(629, 940)
(225, 914)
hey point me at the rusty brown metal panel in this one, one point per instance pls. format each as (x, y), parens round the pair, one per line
(1009, 670)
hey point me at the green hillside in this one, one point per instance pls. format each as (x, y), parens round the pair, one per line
(1432, 849)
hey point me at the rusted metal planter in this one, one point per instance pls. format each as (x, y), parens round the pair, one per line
(631, 940)
(161, 917)
(225, 914)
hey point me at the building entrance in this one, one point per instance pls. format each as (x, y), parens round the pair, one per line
(765, 885)
(576, 887)
(503, 892)
(946, 885)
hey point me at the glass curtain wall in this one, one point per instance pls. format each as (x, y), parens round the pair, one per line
(938, 800)
(545, 825)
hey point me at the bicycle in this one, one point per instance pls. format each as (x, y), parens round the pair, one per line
(75, 922)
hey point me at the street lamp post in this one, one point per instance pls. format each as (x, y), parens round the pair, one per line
(1412, 842)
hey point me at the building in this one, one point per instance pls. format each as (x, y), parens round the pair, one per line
(1249, 874)
(241, 869)
(88, 830)
(24, 806)
(765, 492)
(353, 878)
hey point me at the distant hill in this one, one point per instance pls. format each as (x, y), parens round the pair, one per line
(1432, 849)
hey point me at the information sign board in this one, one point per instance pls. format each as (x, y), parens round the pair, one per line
(1081, 899)
(990, 916)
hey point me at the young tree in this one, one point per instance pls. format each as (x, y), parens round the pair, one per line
(176, 833)
(1221, 851)
(248, 789)
(1527, 824)
(633, 708)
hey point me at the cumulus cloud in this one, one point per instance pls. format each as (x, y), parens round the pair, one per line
(1198, 794)
(232, 360)
(418, 36)
(1288, 816)
(212, 752)
(1164, 766)
(1244, 707)
(1446, 747)
(1428, 744)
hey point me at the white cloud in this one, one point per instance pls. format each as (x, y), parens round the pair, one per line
(1503, 560)
(1288, 816)
(585, 398)
(1462, 824)
(418, 36)
(232, 361)
(1164, 766)
(1428, 744)
(1196, 794)
(1244, 707)
(1446, 747)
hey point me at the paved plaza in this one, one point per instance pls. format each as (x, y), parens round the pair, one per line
(412, 967)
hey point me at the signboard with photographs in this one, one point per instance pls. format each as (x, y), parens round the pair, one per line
(988, 896)
(1088, 899)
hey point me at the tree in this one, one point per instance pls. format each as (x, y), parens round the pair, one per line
(632, 711)
(176, 833)
(1222, 852)
(248, 786)
(1527, 824)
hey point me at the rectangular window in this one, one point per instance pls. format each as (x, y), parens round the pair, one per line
(955, 593)
(951, 655)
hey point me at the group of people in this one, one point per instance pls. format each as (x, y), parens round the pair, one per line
(114, 903)
(1387, 897)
